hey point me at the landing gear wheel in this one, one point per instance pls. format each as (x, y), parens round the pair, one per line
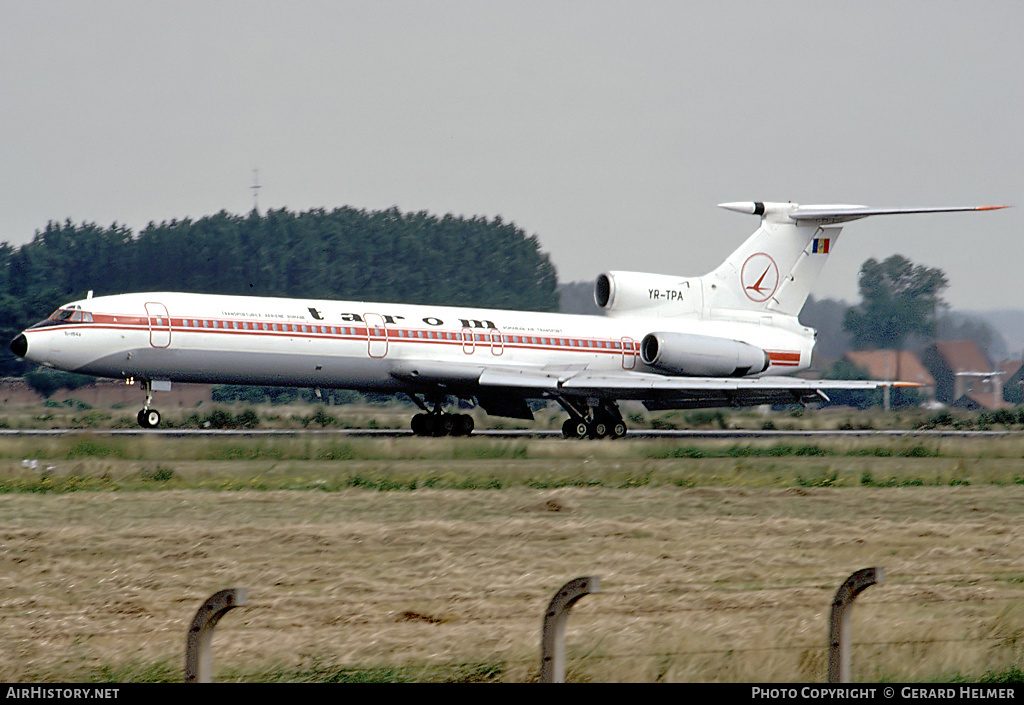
(590, 418)
(463, 425)
(439, 425)
(148, 418)
(445, 425)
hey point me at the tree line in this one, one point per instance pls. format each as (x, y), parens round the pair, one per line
(343, 253)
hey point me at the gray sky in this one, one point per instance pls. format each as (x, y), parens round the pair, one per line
(609, 129)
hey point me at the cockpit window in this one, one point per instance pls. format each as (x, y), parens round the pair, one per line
(63, 316)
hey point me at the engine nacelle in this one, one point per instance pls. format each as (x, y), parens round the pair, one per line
(702, 355)
(634, 291)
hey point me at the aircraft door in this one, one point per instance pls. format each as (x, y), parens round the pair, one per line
(497, 343)
(376, 335)
(159, 325)
(628, 354)
(468, 341)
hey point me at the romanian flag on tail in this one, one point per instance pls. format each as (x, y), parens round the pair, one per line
(820, 246)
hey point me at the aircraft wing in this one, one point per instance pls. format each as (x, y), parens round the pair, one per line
(653, 390)
(661, 392)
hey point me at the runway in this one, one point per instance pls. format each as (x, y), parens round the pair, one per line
(637, 434)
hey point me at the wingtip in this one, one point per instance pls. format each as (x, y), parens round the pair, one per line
(990, 208)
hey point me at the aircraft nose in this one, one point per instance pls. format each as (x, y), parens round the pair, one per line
(19, 346)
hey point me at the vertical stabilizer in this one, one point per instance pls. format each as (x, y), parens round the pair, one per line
(775, 269)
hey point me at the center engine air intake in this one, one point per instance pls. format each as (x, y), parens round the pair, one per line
(702, 355)
(629, 292)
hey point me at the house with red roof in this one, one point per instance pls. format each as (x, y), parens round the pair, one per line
(1013, 381)
(896, 366)
(964, 375)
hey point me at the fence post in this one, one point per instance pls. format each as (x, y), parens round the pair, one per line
(552, 645)
(839, 621)
(200, 634)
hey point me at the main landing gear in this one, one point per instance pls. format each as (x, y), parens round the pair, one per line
(436, 422)
(147, 417)
(594, 419)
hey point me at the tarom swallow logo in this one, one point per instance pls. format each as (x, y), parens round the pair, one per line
(759, 277)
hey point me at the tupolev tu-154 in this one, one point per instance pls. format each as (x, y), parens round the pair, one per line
(728, 338)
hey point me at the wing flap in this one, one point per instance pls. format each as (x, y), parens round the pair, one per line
(435, 372)
(519, 378)
(549, 379)
(485, 376)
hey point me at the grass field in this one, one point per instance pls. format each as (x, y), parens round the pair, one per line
(433, 559)
(69, 412)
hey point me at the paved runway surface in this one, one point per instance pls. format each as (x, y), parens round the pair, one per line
(393, 433)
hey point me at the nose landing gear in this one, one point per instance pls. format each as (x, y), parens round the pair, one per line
(147, 417)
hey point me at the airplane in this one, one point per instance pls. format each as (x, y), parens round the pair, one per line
(728, 338)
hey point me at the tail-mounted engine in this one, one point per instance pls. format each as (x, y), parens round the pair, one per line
(661, 294)
(702, 355)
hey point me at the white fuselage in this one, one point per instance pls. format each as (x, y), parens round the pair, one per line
(357, 345)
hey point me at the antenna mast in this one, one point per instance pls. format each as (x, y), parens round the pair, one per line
(256, 190)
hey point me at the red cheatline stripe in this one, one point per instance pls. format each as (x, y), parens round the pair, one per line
(784, 358)
(481, 339)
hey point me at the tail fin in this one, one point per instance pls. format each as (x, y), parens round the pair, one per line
(776, 267)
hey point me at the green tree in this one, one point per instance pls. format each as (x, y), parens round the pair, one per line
(898, 299)
(826, 316)
(856, 398)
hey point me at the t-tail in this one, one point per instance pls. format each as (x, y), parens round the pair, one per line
(772, 272)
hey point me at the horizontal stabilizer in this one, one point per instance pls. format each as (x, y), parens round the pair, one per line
(842, 214)
(836, 213)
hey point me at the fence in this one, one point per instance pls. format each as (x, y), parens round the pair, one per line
(553, 663)
(198, 648)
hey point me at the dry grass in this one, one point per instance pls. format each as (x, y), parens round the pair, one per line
(706, 583)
